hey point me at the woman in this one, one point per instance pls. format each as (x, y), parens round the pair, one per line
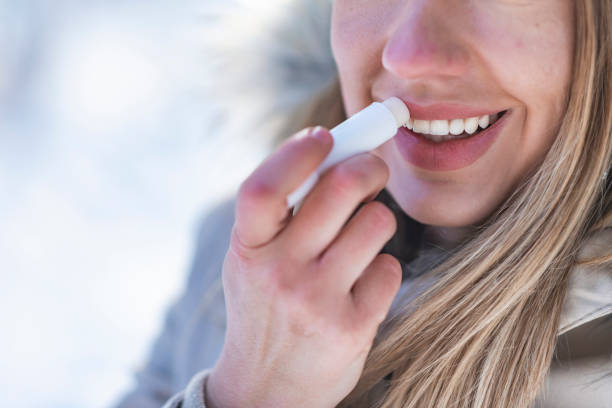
(484, 280)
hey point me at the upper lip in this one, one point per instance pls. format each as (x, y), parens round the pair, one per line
(440, 111)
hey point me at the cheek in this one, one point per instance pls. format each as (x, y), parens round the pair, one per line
(531, 60)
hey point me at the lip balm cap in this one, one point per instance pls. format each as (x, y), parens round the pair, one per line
(399, 110)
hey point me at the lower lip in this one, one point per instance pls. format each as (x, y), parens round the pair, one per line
(451, 154)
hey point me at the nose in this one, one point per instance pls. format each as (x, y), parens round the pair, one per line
(426, 42)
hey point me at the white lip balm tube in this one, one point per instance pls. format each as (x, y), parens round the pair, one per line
(362, 132)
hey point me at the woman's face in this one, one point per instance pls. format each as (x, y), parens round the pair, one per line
(451, 59)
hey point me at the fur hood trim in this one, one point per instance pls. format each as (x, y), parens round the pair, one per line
(268, 69)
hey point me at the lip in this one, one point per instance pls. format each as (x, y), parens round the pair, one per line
(451, 154)
(441, 111)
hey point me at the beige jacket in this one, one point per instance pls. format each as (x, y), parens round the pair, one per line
(273, 76)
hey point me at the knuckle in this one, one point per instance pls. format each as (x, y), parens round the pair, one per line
(373, 165)
(252, 192)
(391, 276)
(390, 263)
(380, 167)
(381, 217)
(344, 179)
(358, 173)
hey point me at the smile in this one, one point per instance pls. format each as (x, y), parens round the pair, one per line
(454, 153)
(442, 130)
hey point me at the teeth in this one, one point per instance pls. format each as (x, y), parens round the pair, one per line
(421, 126)
(439, 127)
(457, 126)
(438, 130)
(471, 125)
(483, 122)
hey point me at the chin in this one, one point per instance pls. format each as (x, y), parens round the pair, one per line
(436, 209)
(429, 216)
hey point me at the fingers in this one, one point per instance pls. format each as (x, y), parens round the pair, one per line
(374, 291)
(332, 201)
(261, 210)
(358, 244)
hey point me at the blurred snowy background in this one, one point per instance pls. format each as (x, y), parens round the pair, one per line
(105, 170)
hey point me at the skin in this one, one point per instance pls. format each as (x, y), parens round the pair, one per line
(305, 294)
(497, 54)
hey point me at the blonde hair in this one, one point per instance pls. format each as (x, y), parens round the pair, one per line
(484, 333)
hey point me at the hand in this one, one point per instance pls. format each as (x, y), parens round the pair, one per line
(304, 295)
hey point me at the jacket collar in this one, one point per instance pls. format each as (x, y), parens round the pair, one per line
(589, 292)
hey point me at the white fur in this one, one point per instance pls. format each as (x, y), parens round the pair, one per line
(264, 62)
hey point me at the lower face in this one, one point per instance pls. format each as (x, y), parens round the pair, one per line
(497, 56)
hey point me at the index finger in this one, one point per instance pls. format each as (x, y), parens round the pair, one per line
(261, 210)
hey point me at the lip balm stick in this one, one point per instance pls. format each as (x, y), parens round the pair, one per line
(362, 132)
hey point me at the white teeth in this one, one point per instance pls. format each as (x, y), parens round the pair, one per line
(442, 130)
(483, 122)
(439, 130)
(421, 126)
(439, 127)
(457, 126)
(471, 125)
